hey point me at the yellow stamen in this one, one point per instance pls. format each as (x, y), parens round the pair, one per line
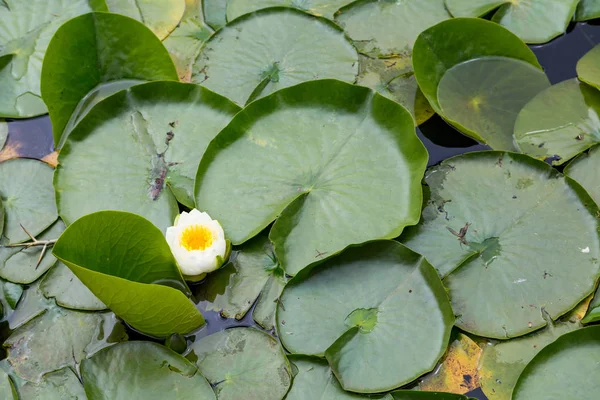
(196, 237)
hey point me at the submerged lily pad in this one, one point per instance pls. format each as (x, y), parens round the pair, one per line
(138, 151)
(587, 9)
(383, 28)
(243, 363)
(57, 385)
(534, 21)
(588, 68)
(378, 304)
(145, 371)
(125, 261)
(26, 27)
(332, 150)
(161, 16)
(560, 122)
(28, 198)
(320, 8)
(562, 369)
(456, 40)
(487, 108)
(273, 49)
(491, 213)
(68, 291)
(94, 56)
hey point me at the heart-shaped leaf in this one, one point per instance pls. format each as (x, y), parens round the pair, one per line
(332, 151)
(68, 291)
(587, 9)
(151, 131)
(491, 213)
(93, 56)
(57, 385)
(146, 370)
(588, 68)
(125, 261)
(161, 16)
(320, 8)
(378, 304)
(273, 49)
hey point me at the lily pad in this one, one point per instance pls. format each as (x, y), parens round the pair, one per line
(120, 156)
(146, 370)
(28, 198)
(456, 40)
(7, 390)
(587, 9)
(10, 294)
(94, 56)
(266, 306)
(273, 49)
(68, 291)
(27, 26)
(215, 13)
(383, 28)
(534, 21)
(125, 261)
(487, 108)
(491, 213)
(161, 16)
(57, 385)
(560, 122)
(593, 314)
(329, 171)
(31, 304)
(378, 304)
(320, 8)
(588, 68)
(243, 363)
(561, 369)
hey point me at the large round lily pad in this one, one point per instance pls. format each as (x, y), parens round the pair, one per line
(94, 56)
(119, 157)
(564, 369)
(456, 40)
(587, 9)
(512, 232)
(588, 68)
(384, 28)
(28, 198)
(142, 370)
(161, 16)
(26, 27)
(488, 108)
(560, 122)
(321, 156)
(273, 49)
(378, 304)
(320, 8)
(243, 363)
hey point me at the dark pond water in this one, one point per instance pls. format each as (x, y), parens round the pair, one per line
(32, 138)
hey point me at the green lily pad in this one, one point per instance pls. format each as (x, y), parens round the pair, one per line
(456, 40)
(243, 363)
(10, 294)
(28, 198)
(560, 122)
(320, 8)
(118, 158)
(273, 49)
(94, 56)
(57, 385)
(125, 261)
(490, 213)
(378, 304)
(146, 370)
(266, 306)
(487, 108)
(561, 370)
(587, 9)
(57, 339)
(215, 13)
(27, 26)
(502, 362)
(31, 304)
(161, 16)
(534, 21)
(20, 265)
(7, 390)
(383, 28)
(588, 68)
(341, 147)
(68, 291)
(593, 314)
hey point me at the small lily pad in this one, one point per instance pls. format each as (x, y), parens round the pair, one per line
(68, 291)
(320, 8)
(28, 198)
(587, 9)
(273, 49)
(490, 213)
(57, 385)
(588, 68)
(560, 122)
(243, 363)
(161, 16)
(145, 370)
(561, 370)
(378, 304)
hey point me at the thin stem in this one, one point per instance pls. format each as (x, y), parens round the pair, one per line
(34, 242)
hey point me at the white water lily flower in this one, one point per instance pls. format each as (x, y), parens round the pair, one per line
(198, 243)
